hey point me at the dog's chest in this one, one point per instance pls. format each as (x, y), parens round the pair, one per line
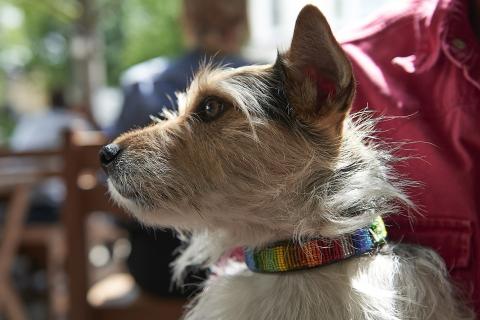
(323, 293)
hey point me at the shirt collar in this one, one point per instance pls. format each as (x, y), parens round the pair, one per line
(443, 27)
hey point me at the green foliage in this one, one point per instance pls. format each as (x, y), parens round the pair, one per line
(7, 124)
(43, 37)
(132, 30)
(138, 30)
(151, 28)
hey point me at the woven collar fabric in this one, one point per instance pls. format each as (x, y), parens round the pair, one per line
(290, 256)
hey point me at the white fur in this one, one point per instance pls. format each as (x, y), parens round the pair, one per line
(378, 287)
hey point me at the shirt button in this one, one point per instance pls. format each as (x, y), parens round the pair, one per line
(458, 43)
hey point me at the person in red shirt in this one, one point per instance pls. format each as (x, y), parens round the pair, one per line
(419, 66)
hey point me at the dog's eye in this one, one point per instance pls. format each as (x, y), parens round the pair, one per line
(210, 109)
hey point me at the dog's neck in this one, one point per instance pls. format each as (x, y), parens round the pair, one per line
(363, 186)
(290, 255)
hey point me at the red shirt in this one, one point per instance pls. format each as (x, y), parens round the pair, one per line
(421, 64)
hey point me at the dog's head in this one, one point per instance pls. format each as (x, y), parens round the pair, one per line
(248, 147)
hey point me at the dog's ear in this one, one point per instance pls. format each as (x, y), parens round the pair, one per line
(318, 75)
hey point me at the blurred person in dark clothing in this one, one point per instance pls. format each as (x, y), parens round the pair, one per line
(214, 32)
(43, 130)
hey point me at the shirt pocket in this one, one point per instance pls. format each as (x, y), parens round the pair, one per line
(450, 238)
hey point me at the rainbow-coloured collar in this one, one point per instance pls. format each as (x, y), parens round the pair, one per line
(289, 256)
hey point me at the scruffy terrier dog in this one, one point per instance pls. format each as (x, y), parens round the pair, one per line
(268, 159)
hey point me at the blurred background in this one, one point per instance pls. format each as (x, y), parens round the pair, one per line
(86, 46)
(72, 64)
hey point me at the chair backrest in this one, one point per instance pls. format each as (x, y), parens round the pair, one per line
(86, 193)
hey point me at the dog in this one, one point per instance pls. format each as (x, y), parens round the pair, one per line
(267, 158)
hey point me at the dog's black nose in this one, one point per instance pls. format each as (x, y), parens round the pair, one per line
(108, 153)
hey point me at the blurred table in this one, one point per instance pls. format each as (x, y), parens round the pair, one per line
(28, 167)
(20, 172)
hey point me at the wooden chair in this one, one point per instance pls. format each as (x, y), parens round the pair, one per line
(86, 193)
(19, 173)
